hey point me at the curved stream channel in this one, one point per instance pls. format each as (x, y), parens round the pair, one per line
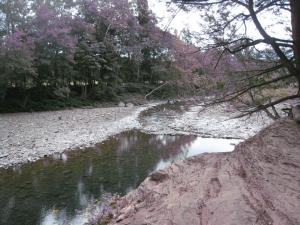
(60, 189)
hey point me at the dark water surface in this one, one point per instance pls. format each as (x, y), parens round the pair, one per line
(57, 189)
(161, 115)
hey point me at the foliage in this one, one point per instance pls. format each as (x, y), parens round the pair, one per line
(225, 31)
(89, 47)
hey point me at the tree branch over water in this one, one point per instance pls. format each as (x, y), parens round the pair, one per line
(223, 31)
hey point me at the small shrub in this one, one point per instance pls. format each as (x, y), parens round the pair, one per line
(103, 93)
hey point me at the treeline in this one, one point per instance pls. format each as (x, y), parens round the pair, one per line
(66, 53)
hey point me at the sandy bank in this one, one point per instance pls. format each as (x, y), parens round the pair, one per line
(258, 183)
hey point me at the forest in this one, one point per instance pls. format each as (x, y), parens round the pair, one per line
(55, 54)
(152, 112)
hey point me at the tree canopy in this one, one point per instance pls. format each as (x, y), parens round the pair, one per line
(228, 32)
(61, 50)
(54, 49)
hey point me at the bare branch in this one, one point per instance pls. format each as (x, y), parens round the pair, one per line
(231, 96)
(157, 88)
(268, 70)
(290, 66)
(266, 106)
(199, 2)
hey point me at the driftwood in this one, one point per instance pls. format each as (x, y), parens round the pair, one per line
(155, 89)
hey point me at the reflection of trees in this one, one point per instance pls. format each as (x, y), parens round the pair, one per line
(54, 184)
(131, 167)
(116, 165)
(162, 113)
(173, 145)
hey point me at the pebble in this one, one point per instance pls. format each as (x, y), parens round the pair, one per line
(52, 130)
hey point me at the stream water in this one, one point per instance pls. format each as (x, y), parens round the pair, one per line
(64, 188)
(57, 190)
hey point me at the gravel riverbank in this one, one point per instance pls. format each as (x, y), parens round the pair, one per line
(26, 137)
(203, 183)
(214, 122)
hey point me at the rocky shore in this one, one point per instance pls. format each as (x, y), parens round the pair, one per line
(214, 122)
(26, 137)
(258, 183)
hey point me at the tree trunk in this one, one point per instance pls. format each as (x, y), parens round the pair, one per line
(84, 89)
(295, 16)
(138, 73)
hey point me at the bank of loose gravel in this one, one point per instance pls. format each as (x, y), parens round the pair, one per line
(26, 137)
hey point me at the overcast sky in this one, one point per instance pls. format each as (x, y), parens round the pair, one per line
(192, 20)
(182, 19)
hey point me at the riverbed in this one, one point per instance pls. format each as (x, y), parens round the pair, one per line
(65, 188)
(113, 151)
(191, 118)
(27, 137)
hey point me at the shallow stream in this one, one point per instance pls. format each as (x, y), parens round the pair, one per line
(60, 189)
(65, 189)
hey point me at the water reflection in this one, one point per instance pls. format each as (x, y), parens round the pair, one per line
(60, 217)
(161, 115)
(63, 188)
(196, 147)
(202, 145)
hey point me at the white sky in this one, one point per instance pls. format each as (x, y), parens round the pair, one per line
(192, 21)
(182, 20)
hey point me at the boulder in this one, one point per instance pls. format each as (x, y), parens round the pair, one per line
(129, 104)
(159, 176)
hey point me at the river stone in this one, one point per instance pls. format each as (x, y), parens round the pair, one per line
(121, 104)
(296, 113)
(159, 176)
(129, 104)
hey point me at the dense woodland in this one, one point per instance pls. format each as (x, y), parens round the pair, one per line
(59, 53)
(68, 53)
